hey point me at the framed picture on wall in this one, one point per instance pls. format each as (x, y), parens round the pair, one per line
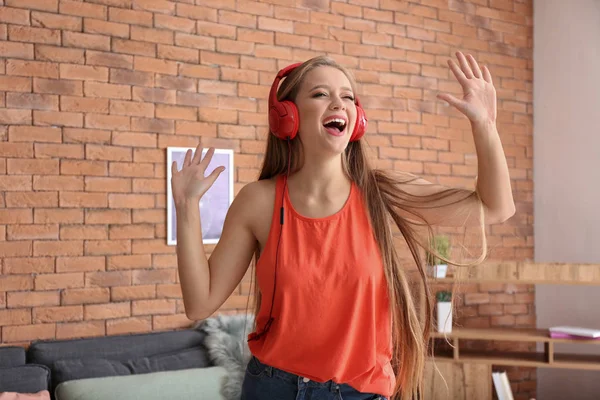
(215, 202)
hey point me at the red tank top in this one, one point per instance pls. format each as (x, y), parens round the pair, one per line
(331, 310)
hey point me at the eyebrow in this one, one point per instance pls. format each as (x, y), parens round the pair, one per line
(327, 87)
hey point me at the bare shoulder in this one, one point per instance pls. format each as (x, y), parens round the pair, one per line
(254, 203)
(257, 194)
(258, 200)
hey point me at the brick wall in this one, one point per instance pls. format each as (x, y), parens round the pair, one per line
(91, 93)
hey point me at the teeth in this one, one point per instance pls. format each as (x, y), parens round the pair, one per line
(338, 120)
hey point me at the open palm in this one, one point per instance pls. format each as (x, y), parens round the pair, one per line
(479, 95)
(190, 183)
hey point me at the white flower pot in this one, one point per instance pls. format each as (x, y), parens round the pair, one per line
(440, 270)
(444, 317)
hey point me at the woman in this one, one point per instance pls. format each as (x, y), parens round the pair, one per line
(338, 319)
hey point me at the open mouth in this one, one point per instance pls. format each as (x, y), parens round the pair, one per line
(335, 126)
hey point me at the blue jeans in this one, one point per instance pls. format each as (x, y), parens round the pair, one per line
(263, 382)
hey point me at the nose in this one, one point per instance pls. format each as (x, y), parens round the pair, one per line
(337, 103)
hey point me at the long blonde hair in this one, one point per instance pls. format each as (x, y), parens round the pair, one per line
(386, 203)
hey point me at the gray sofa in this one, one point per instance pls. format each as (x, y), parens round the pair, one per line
(176, 364)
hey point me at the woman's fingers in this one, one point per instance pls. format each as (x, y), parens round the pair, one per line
(206, 160)
(464, 65)
(460, 76)
(188, 158)
(474, 66)
(487, 76)
(197, 155)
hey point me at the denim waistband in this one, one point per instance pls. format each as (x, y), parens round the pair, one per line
(296, 379)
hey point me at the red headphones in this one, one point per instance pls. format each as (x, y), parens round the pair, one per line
(283, 115)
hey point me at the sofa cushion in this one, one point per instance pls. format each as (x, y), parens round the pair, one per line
(41, 395)
(11, 356)
(28, 378)
(197, 383)
(70, 369)
(120, 347)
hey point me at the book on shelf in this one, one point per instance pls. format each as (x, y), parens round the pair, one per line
(502, 386)
(573, 332)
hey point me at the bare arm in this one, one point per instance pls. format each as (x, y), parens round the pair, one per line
(206, 284)
(493, 193)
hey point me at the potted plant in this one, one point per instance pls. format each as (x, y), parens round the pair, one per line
(444, 311)
(441, 246)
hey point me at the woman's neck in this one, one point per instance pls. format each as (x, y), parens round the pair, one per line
(321, 178)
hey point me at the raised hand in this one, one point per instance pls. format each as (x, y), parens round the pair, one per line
(479, 95)
(190, 184)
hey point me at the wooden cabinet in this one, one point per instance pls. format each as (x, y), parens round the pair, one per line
(453, 381)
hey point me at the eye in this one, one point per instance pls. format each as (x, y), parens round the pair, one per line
(319, 94)
(349, 97)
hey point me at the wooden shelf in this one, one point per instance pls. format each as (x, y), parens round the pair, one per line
(509, 334)
(526, 273)
(546, 359)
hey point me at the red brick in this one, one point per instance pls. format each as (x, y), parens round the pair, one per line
(59, 281)
(109, 59)
(85, 41)
(112, 122)
(54, 118)
(57, 86)
(133, 47)
(32, 299)
(14, 15)
(107, 90)
(45, 5)
(133, 17)
(152, 125)
(15, 84)
(15, 317)
(83, 232)
(105, 28)
(155, 65)
(80, 264)
(32, 101)
(161, 6)
(18, 33)
(85, 73)
(178, 53)
(37, 231)
(54, 21)
(163, 36)
(85, 296)
(84, 104)
(123, 326)
(57, 314)
(106, 311)
(32, 68)
(215, 30)
(75, 330)
(145, 277)
(153, 307)
(196, 13)
(174, 23)
(130, 201)
(59, 54)
(28, 332)
(83, 9)
(176, 112)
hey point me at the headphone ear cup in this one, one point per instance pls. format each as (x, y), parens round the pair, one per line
(283, 120)
(360, 127)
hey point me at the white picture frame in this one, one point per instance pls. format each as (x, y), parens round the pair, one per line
(213, 205)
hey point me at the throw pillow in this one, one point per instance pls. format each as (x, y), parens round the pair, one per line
(71, 369)
(197, 384)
